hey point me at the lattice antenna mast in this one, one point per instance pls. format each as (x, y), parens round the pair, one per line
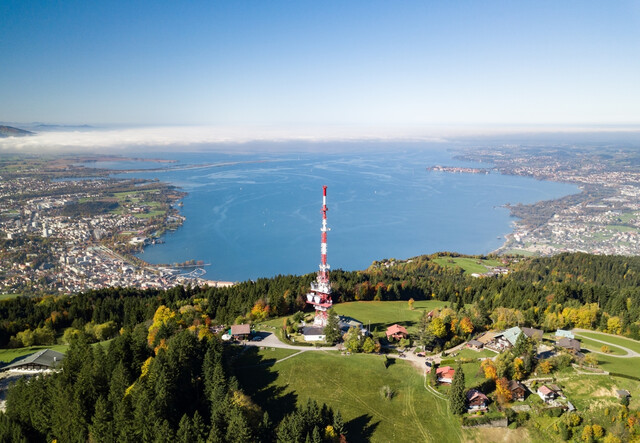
(320, 297)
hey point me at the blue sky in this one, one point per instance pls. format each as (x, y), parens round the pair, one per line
(305, 63)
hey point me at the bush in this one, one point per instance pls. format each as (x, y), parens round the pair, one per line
(386, 392)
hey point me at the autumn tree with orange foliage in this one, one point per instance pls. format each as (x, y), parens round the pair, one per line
(489, 369)
(502, 391)
(466, 325)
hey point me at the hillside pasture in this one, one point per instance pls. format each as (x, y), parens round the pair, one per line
(382, 314)
(352, 384)
(629, 343)
(467, 264)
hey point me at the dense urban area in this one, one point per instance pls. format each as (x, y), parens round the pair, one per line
(67, 228)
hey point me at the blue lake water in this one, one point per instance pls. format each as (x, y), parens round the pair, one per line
(257, 219)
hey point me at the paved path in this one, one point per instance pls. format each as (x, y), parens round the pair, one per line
(630, 352)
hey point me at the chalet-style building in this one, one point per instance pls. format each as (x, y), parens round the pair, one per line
(518, 390)
(241, 332)
(445, 374)
(43, 360)
(546, 394)
(533, 333)
(396, 332)
(570, 344)
(476, 401)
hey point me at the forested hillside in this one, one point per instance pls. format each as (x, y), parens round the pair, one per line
(166, 377)
(596, 292)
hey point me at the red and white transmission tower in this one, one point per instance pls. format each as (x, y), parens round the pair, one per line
(320, 295)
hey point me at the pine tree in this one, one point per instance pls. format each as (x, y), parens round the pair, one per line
(338, 424)
(332, 330)
(101, 429)
(457, 398)
(185, 430)
(238, 431)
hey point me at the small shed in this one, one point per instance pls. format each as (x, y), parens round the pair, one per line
(622, 393)
(475, 344)
(313, 333)
(564, 333)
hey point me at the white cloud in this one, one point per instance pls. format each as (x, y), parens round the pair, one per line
(201, 137)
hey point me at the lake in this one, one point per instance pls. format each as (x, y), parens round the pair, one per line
(258, 215)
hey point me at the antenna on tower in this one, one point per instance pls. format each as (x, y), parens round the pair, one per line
(320, 295)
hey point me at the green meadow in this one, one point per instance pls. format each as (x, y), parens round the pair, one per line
(353, 385)
(469, 265)
(382, 314)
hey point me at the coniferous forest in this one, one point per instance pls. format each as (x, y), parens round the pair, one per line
(166, 377)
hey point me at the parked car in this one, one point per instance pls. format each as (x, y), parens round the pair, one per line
(256, 339)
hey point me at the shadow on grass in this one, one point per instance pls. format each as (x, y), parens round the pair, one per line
(360, 429)
(256, 377)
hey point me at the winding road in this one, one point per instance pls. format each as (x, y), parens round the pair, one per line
(630, 352)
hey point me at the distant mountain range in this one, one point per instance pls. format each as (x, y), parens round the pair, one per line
(45, 127)
(10, 131)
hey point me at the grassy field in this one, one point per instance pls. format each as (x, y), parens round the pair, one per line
(382, 314)
(8, 296)
(595, 346)
(628, 366)
(352, 384)
(469, 265)
(470, 353)
(592, 392)
(614, 340)
(8, 355)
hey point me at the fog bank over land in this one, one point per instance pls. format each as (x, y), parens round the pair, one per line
(239, 139)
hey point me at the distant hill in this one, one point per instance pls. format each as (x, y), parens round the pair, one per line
(45, 127)
(10, 131)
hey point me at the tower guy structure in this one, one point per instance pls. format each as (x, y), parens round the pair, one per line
(320, 295)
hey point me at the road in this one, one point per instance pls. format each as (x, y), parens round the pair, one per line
(630, 352)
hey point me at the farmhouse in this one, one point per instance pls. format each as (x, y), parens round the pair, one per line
(44, 360)
(570, 344)
(518, 391)
(397, 332)
(241, 332)
(533, 333)
(546, 394)
(476, 401)
(445, 374)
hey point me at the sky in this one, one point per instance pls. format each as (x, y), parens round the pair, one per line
(287, 65)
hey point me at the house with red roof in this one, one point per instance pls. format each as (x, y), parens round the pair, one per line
(546, 394)
(445, 374)
(396, 332)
